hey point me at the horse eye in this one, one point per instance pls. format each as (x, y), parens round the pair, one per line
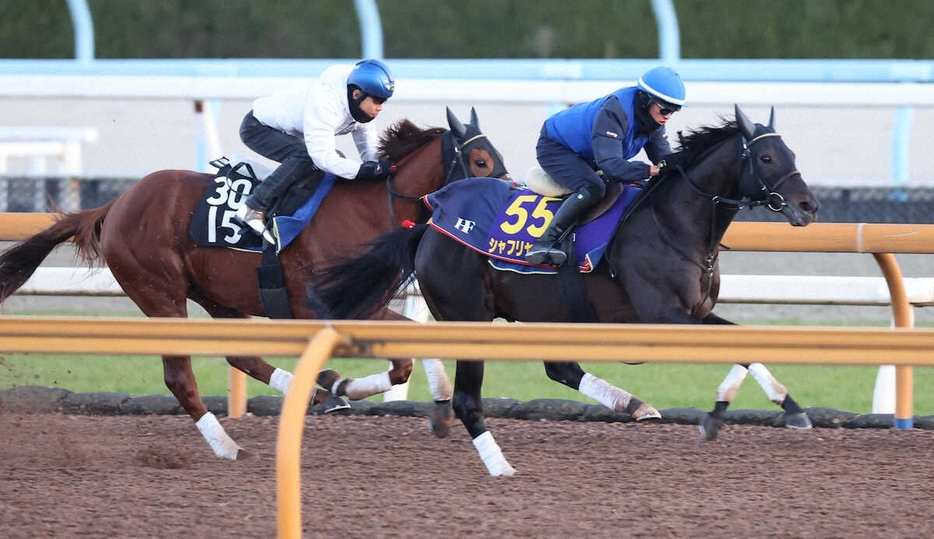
(766, 159)
(480, 163)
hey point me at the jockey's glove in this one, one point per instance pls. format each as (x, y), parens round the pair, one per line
(375, 170)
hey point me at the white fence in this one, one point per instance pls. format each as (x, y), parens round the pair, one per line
(745, 289)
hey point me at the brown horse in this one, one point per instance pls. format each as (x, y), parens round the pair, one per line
(143, 236)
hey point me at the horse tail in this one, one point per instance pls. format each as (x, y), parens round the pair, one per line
(356, 288)
(19, 262)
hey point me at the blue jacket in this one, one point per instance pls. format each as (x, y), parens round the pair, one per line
(605, 133)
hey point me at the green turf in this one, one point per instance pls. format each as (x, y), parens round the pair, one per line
(663, 385)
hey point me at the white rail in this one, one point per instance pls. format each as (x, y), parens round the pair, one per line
(743, 289)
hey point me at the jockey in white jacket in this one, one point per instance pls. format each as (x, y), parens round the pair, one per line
(298, 130)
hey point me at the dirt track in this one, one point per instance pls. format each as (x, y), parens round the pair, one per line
(382, 476)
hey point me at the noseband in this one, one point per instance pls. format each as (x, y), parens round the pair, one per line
(751, 186)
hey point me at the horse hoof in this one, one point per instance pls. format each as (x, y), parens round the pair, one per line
(441, 419)
(327, 377)
(709, 426)
(799, 421)
(646, 412)
(335, 404)
(243, 454)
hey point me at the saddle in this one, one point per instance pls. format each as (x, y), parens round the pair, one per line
(538, 181)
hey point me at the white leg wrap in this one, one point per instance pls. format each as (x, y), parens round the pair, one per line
(605, 393)
(223, 445)
(492, 455)
(361, 388)
(280, 381)
(774, 390)
(438, 382)
(730, 385)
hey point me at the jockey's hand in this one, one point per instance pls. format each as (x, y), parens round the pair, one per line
(373, 171)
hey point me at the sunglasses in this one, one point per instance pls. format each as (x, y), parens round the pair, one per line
(666, 109)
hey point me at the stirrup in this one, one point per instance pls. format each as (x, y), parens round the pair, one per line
(256, 220)
(545, 255)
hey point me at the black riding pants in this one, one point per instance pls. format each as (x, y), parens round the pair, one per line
(567, 168)
(288, 150)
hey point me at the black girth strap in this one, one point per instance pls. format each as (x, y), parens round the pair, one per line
(272, 285)
(572, 286)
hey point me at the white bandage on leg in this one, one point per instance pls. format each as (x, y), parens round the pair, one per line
(774, 389)
(605, 393)
(280, 381)
(492, 455)
(438, 382)
(214, 433)
(730, 385)
(361, 388)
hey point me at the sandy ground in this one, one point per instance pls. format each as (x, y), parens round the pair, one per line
(372, 476)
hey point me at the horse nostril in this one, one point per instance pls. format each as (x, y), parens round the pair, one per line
(810, 206)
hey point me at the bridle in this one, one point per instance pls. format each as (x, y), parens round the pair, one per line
(455, 166)
(754, 192)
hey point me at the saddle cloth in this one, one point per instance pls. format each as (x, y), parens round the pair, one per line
(501, 221)
(213, 224)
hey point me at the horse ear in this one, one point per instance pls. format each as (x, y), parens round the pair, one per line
(745, 124)
(456, 126)
(474, 121)
(772, 119)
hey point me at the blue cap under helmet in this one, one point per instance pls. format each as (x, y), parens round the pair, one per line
(373, 77)
(664, 84)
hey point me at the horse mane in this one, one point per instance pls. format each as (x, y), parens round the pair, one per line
(695, 144)
(693, 147)
(404, 137)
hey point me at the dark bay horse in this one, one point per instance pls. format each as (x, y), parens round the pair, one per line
(143, 236)
(661, 267)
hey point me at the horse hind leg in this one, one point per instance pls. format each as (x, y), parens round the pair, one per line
(615, 398)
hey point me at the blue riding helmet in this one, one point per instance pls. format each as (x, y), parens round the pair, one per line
(664, 84)
(373, 77)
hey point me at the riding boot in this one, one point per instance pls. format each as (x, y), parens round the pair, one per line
(544, 251)
(252, 213)
(254, 219)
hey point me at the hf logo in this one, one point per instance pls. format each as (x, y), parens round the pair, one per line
(464, 225)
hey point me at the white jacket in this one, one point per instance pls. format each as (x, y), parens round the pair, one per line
(318, 114)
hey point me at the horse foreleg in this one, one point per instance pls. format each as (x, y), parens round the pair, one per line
(795, 417)
(617, 399)
(468, 406)
(180, 380)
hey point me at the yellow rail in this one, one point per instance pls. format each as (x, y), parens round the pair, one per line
(316, 341)
(472, 340)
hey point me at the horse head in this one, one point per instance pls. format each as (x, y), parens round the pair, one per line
(769, 175)
(469, 153)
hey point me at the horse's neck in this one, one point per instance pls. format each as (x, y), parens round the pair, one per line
(696, 206)
(422, 172)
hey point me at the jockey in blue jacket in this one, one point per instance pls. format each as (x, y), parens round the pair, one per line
(297, 128)
(603, 135)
